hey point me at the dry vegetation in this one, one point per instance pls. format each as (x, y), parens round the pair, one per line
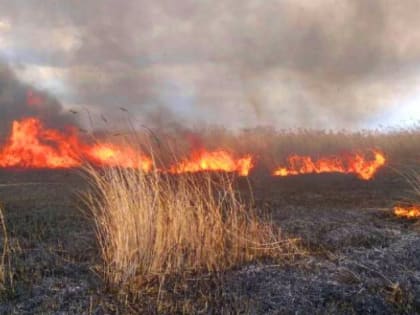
(271, 147)
(410, 206)
(151, 225)
(413, 179)
(164, 237)
(6, 276)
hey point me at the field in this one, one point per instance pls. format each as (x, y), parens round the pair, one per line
(353, 255)
(210, 157)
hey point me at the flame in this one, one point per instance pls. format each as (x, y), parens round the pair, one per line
(409, 212)
(109, 154)
(354, 163)
(219, 160)
(31, 145)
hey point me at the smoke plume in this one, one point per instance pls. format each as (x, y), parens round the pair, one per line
(19, 100)
(286, 63)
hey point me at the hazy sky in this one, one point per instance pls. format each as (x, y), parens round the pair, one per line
(287, 63)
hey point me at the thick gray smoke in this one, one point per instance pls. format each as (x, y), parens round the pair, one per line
(318, 63)
(18, 100)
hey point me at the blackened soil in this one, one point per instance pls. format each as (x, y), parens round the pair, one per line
(359, 258)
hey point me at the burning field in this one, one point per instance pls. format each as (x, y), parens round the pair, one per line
(181, 220)
(223, 223)
(30, 145)
(209, 157)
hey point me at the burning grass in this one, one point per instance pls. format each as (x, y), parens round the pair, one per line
(31, 144)
(411, 210)
(155, 224)
(355, 163)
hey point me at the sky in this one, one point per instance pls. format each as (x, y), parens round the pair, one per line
(236, 63)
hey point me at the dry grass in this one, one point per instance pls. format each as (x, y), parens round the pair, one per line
(411, 174)
(154, 224)
(414, 180)
(271, 147)
(6, 276)
(401, 146)
(410, 207)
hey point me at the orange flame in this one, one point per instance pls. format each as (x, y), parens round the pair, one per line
(31, 145)
(354, 163)
(219, 160)
(108, 154)
(409, 212)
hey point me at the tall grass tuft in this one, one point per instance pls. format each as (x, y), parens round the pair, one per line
(156, 224)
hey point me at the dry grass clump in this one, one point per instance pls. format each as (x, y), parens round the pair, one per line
(156, 224)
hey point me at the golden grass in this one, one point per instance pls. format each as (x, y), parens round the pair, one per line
(156, 224)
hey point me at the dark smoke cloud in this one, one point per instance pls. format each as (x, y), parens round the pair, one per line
(236, 62)
(19, 100)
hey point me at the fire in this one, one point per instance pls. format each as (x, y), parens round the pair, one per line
(356, 163)
(409, 212)
(219, 160)
(111, 155)
(31, 145)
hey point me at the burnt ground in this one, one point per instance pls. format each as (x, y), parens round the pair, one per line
(359, 259)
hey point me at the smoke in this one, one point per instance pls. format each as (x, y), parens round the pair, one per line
(18, 100)
(239, 63)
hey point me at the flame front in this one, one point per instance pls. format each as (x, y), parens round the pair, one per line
(220, 160)
(409, 212)
(31, 145)
(354, 163)
(108, 154)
